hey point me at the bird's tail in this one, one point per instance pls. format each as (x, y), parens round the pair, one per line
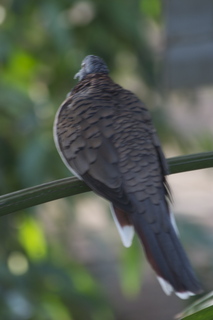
(164, 252)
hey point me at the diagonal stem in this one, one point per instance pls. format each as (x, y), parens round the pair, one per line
(29, 197)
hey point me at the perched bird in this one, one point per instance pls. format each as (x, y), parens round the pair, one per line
(105, 136)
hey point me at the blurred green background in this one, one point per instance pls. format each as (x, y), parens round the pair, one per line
(63, 260)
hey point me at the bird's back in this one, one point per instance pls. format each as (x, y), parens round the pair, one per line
(105, 135)
(102, 122)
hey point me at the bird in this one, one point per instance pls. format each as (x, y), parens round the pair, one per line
(105, 136)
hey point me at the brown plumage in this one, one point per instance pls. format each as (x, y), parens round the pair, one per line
(105, 136)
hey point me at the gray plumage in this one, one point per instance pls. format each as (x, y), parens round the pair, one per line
(90, 65)
(105, 136)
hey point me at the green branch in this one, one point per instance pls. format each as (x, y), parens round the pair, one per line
(191, 162)
(70, 186)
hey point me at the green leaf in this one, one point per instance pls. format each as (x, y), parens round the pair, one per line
(21, 68)
(202, 309)
(32, 238)
(54, 308)
(151, 8)
(70, 186)
(205, 314)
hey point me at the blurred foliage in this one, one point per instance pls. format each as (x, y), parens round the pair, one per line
(131, 271)
(152, 8)
(39, 282)
(42, 46)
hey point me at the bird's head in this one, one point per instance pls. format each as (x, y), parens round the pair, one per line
(91, 64)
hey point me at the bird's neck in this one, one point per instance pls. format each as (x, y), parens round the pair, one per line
(93, 79)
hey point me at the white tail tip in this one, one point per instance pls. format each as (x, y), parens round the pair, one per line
(168, 289)
(126, 232)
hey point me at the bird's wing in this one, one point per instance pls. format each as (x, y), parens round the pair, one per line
(84, 138)
(83, 134)
(110, 142)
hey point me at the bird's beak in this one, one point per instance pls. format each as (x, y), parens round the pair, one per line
(77, 75)
(80, 75)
